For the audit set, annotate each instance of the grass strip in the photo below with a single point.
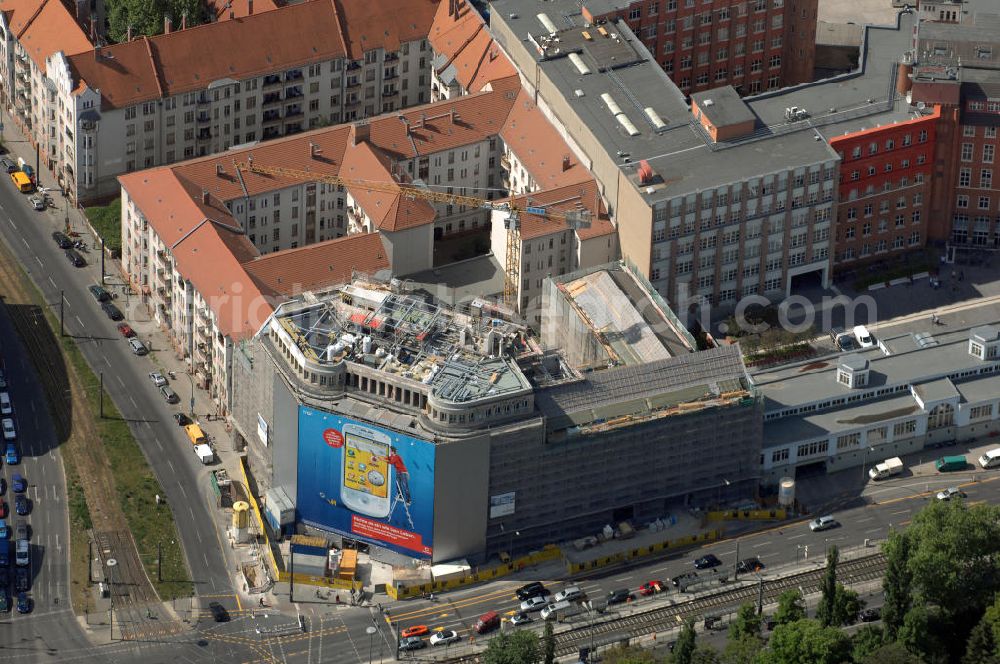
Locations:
(107, 221)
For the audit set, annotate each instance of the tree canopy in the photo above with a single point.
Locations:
(145, 17)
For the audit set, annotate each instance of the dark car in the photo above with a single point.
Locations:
(169, 395)
(22, 580)
(99, 293)
(686, 577)
(620, 596)
(182, 419)
(3, 486)
(870, 615)
(62, 240)
(705, 562)
(8, 165)
(75, 258)
(113, 312)
(18, 483)
(21, 530)
(533, 589)
(4, 600)
(21, 505)
(412, 643)
(219, 613)
(23, 603)
(4, 554)
(749, 565)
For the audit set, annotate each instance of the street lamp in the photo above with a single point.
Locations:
(191, 380)
(718, 495)
(111, 589)
(370, 630)
(864, 464)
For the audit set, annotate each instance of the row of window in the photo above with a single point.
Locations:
(723, 14)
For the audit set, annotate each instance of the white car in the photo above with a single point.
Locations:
(950, 493)
(157, 378)
(520, 619)
(823, 523)
(534, 604)
(445, 637)
(9, 432)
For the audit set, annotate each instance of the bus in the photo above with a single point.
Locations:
(22, 182)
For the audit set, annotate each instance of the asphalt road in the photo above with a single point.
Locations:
(184, 480)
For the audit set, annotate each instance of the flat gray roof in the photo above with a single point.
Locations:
(939, 389)
(815, 381)
(817, 425)
(680, 152)
(723, 106)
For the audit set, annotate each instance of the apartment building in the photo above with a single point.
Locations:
(202, 90)
(466, 58)
(753, 45)
(34, 35)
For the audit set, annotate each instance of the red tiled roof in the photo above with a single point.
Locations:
(388, 211)
(222, 10)
(539, 147)
(317, 266)
(583, 195)
(272, 41)
(467, 46)
(44, 27)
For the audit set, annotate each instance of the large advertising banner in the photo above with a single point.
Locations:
(365, 482)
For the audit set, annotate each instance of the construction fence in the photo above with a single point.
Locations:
(642, 551)
(748, 515)
(400, 591)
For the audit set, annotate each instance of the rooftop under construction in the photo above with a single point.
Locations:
(461, 356)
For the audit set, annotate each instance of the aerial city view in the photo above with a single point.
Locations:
(500, 332)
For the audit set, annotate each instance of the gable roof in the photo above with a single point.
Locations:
(578, 196)
(388, 211)
(244, 47)
(318, 266)
(223, 10)
(466, 47)
(44, 27)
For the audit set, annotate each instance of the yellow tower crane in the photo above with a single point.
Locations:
(512, 265)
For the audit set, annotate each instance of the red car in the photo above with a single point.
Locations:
(126, 330)
(651, 587)
(416, 630)
(3, 509)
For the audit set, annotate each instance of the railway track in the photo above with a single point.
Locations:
(849, 573)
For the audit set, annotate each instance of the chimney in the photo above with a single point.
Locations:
(219, 170)
(451, 115)
(184, 21)
(232, 14)
(204, 196)
(166, 25)
(314, 150)
(128, 33)
(362, 132)
(249, 7)
(566, 163)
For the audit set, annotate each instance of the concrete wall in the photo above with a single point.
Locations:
(410, 250)
(461, 497)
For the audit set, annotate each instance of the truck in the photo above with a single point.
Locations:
(205, 453)
(887, 468)
(195, 434)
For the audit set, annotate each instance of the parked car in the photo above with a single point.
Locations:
(533, 589)
(3, 486)
(4, 530)
(3, 380)
(520, 619)
(74, 257)
(707, 561)
(157, 378)
(950, 492)
(112, 312)
(99, 293)
(168, 394)
(534, 604)
(415, 630)
(182, 419)
(126, 330)
(6, 407)
(445, 637)
(823, 523)
(37, 202)
(18, 483)
(569, 594)
(21, 529)
(684, 578)
(620, 596)
(22, 505)
(412, 643)
(219, 613)
(870, 615)
(4, 600)
(749, 565)
(651, 587)
(9, 430)
(22, 579)
(137, 346)
(23, 603)
(62, 240)
(8, 165)
(3, 508)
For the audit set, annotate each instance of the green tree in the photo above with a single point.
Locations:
(866, 640)
(896, 584)
(627, 655)
(891, 653)
(512, 648)
(705, 654)
(746, 623)
(980, 647)
(806, 642)
(743, 650)
(145, 17)
(549, 643)
(826, 610)
(791, 607)
(921, 633)
(684, 648)
(846, 606)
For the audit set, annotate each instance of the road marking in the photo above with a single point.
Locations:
(25, 242)
(52, 282)
(873, 530)
(757, 546)
(39, 261)
(864, 520)
(624, 578)
(159, 446)
(11, 222)
(906, 511)
(134, 404)
(183, 492)
(174, 471)
(791, 537)
(79, 321)
(120, 381)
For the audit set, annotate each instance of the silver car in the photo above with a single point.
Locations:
(157, 378)
(169, 394)
(823, 523)
(137, 346)
(534, 604)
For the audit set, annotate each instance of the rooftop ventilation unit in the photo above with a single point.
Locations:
(616, 111)
(655, 118)
(547, 23)
(578, 62)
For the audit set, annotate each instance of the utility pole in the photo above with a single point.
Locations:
(102, 394)
(102, 261)
(62, 299)
(159, 562)
(38, 170)
(760, 595)
(291, 573)
(736, 564)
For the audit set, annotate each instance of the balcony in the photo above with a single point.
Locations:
(351, 102)
(271, 132)
(204, 135)
(271, 98)
(293, 111)
(388, 94)
(353, 82)
(390, 74)
(505, 161)
(272, 116)
(271, 80)
(203, 118)
(293, 75)
(293, 93)
(88, 125)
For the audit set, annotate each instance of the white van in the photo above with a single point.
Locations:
(990, 459)
(865, 339)
(551, 612)
(5, 407)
